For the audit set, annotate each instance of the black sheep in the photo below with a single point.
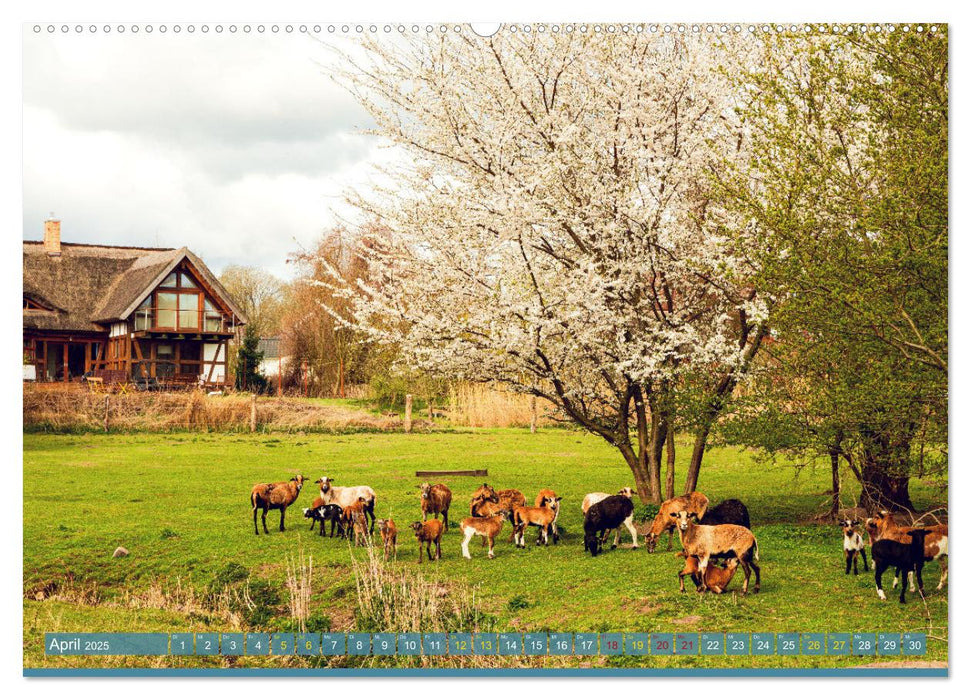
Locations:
(321, 514)
(605, 515)
(905, 557)
(730, 512)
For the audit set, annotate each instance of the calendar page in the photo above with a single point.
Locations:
(565, 349)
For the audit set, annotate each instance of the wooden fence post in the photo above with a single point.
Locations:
(532, 414)
(407, 413)
(252, 414)
(107, 398)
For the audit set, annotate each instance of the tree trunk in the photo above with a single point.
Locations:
(669, 481)
(884, 474)
(697, 454)
(648, 439)
(638, 467)
(834, 460)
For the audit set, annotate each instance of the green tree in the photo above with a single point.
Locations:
(248, 359)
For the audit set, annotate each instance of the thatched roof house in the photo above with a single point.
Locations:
(156, 314)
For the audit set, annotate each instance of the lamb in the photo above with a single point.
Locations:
(718, 541)
(853, 546)
(717, 578)
(355, 521)
(434, 500)
(596, 497)
(486, 502)
(730, 512)
(487, 528)
(389, 537)
(905, 557)
(664, 521)
(546, 497)
(543, 517)
(428, 533)
(608, 514)
(347, 495)
(323, 512)
(276, 496)
(883, 527)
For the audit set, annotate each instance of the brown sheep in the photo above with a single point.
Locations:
(389, 537)
(427, 533)
(664, 521)
(486, 502)
(355, 521)
(884, 527)
(434, 500)
(276, 496)
(543, 517)
(487, 528)
(717, 578)
(719, 541)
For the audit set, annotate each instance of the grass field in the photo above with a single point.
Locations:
(179, 503)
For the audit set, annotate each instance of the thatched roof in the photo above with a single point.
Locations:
(89, 286)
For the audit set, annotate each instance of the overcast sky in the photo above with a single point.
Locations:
(237, 146)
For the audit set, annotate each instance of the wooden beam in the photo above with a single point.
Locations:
(454, 472)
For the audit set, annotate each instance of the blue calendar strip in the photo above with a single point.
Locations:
(833, 644)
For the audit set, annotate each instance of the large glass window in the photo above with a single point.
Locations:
(167, 307)
(214, 318)
(143, 315)
(188, 310)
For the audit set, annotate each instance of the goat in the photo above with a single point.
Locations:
(730, 512)
(884, 527)
(717, 578)
(605, 515)
(276, 496)
(664, 521)
(487, 528)
(389, 537)
(486, 502)
(434, 500)
(347, 495)
(719, 541)
(906, 558)
(596, 497)
(853, 546)
(543, 517)
(427, 533)
(546, 497)
(322, 513)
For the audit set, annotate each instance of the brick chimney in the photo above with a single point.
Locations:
(52, 236)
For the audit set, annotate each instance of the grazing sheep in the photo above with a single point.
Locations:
(664, 521)
(608, 514)
(596, 497)
(354, 520)
(546, 497)
(853, 546)
(276, 496)
(427, 533)
(708, 541)
(389, 537)
(906, 558)
(487, 528)
(717, 578)
(323, 512)
(347, 495)
(883, 527)
(434, 500)
(730, 512)
(543, 517)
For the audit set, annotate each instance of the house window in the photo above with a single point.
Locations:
(214, 318)
(167, 308)
(143, 315)
(188, 310)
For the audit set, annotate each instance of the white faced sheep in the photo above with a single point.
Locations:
(275, 496)
(693, 502)
(608, 514)
(434, 500)
(719, 541)
(596, 497)
(345, 496)
(853, 546)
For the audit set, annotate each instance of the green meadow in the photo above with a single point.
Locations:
(179, 502)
